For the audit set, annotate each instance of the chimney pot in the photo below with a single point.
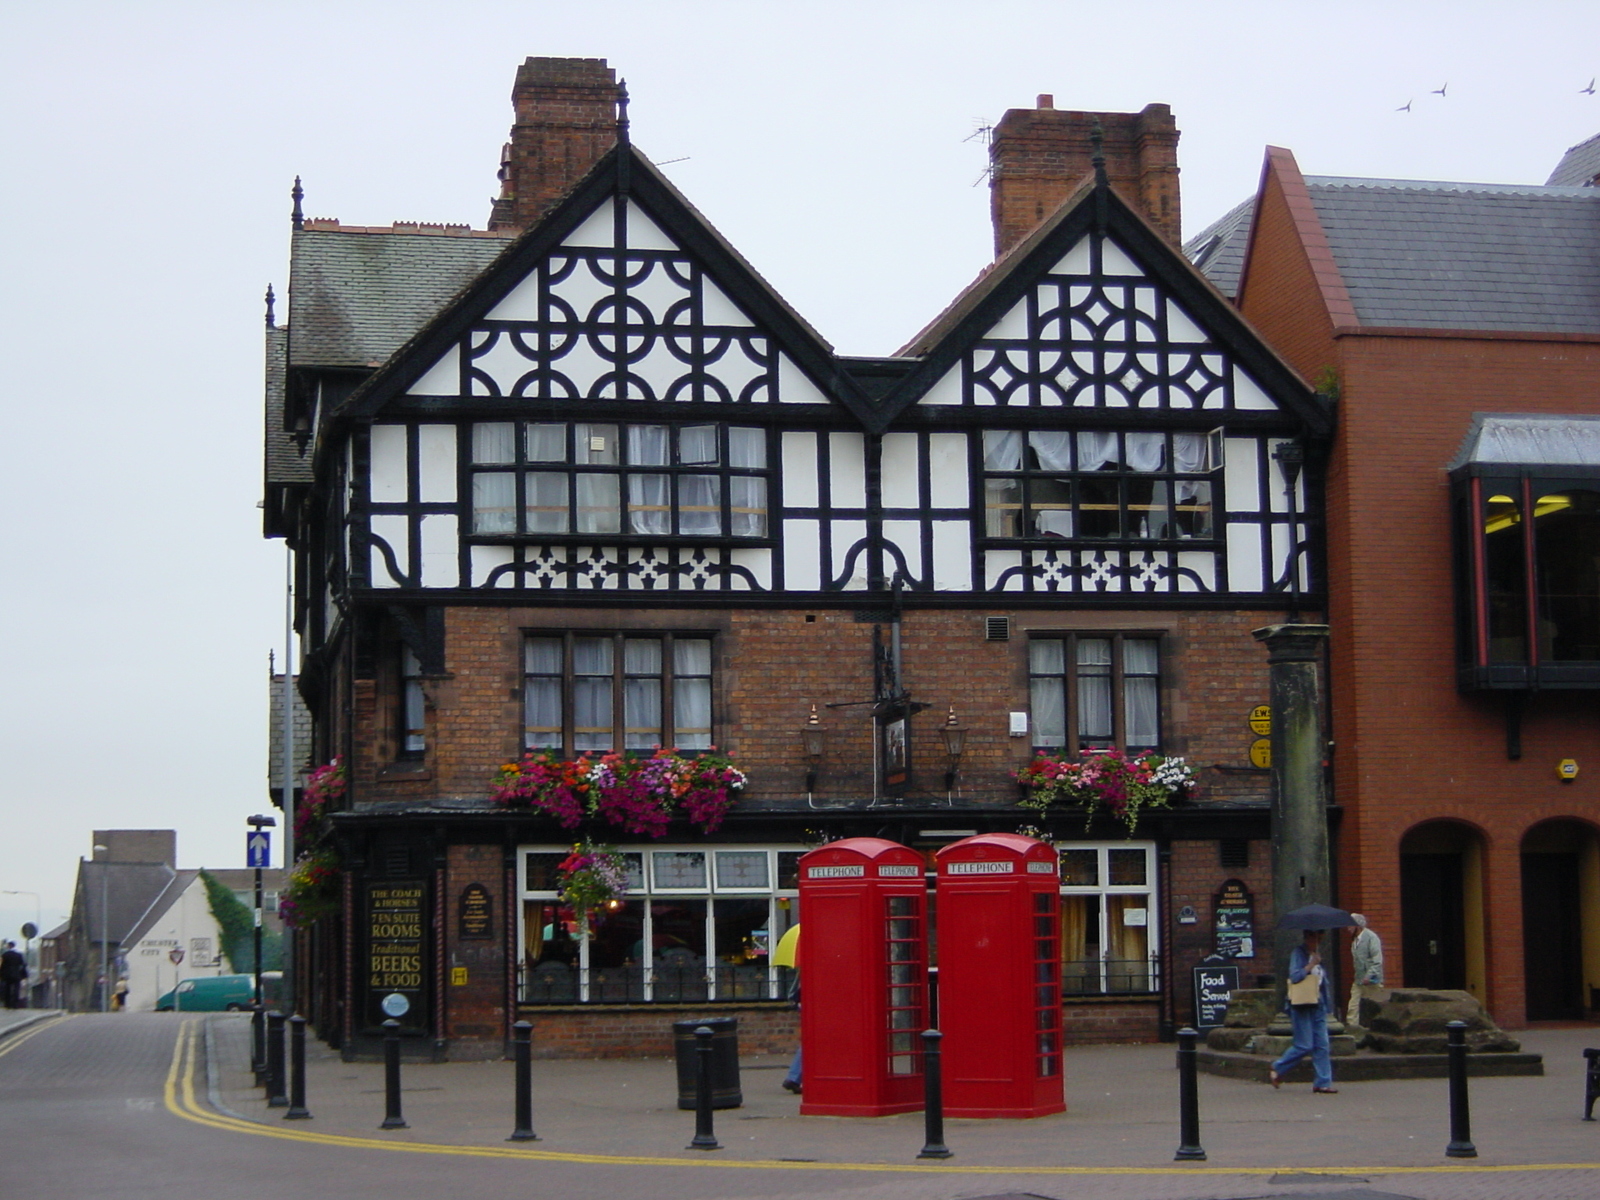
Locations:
(1046, 100)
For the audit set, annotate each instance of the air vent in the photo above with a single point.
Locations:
(397, 860)
(997, 629)
(1233, 854)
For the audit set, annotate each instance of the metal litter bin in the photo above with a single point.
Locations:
(725, 1092)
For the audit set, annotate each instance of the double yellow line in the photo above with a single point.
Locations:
(27, 1035)
(180, 1099)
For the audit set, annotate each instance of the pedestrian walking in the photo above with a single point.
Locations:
(1309, 1001)
(1366, 951)
(13, 970)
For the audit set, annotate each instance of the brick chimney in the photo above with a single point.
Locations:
(566, 120)
(1038, 156)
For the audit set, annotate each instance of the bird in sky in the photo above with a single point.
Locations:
(1406, 107)
(1588, 91)
(1439, 91)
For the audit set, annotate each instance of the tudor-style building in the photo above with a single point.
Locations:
(584, 483)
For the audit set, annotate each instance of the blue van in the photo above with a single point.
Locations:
(221, 993)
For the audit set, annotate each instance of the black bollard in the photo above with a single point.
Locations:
(1591, 1083)
(1189, 1147)
(932, 1098)
(391, 1076)
(1460, 1123)
(522, 1053)
(275, 1096)
(297, 1070)
(704, 1138)
(258, 1043)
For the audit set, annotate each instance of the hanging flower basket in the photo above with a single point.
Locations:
(1110, 780)
(316, 887)
(322, 794)
(638, 795)
(592, 877)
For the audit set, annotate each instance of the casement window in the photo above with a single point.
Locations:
(1090, 485)
(1108, 918)
(561, 478)
(1095, 692)
(413, 708)
(586, 692)
(698, 924)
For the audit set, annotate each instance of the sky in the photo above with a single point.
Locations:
(148, 153)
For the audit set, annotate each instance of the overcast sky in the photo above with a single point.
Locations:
(148, 152)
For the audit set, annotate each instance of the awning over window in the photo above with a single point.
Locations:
(1519, 440)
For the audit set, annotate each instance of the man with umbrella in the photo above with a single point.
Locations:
(1309, 998)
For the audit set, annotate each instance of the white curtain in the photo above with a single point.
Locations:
(1095, 450)
(747, 447)
(547, 443)
(1002, 450)
(641, 693)
(1145, 451)
(649, 446)
(1189, 455)
(494, 502)
(1054, 450)
(599, 499)
(591, 693)
(1047, 658)
(1140, 689)
(596, 444)
(545, 502)
(541, 660)
(1094, 689)
(494, 442)
(700, 505)
(691, 693)
(747, 499)
(697, 445)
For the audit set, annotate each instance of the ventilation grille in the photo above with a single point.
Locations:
(397, 861)
(1233, 853)
(997, 629)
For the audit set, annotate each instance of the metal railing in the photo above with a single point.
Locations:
(1111, 977)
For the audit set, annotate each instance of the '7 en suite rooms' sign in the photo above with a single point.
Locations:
(395, 954)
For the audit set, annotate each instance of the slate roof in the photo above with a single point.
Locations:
(1579, 166)
(285, 463)
(1218, 249)
(176, 886)
(129, 890)
(357, 294)
(1520, 439)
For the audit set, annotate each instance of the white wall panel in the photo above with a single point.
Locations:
(799, 455)
(1014, 324)
(947, 470)
(582, 367)
(484, 561)
(645, 234)
(802, 555)
(947, 390)
(794, 387)
(501, 363)
(436, 463)
(1244, 558)
(1248, 394)
(441, 379)
(952, 556)
(1076, 261)
(718, 309)
(439, 545)
(658, 291)
(1203, 564)
(597, 230)
(521, 303)
(735, 369)
(395, 530)
(388, 457)
(757, 561)
(906, 536)
(845, 535)
(900, 474)
(1241, 476)
(996, 563)
(1115, 261)
(1180, 327)
(847, 470)
(581, 290)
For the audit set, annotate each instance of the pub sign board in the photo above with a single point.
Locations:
(1212, 986)
(396, 953)
(1235, 921)
(475, 913)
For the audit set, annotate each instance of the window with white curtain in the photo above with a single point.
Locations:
(597, 692)
(1094, 691)
(1099, 484)
(413, 706)
(1108, 926)
(574, 478)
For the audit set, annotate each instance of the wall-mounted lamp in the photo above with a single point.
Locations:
(814, 738)
(955, 741)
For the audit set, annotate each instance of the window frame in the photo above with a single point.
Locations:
(413, 701)
(1073, 738)
(521, 467)
(1104, 889)
(668, 677)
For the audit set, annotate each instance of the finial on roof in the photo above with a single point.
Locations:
(622, 112)
(1097, 139)
(297, 218)
(271, 324)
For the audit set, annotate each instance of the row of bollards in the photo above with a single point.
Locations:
(285, 1084)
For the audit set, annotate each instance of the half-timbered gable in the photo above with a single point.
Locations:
(1122, 427)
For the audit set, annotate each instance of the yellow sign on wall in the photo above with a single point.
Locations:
(1261, 753)
(458, 976)
(1261, 720)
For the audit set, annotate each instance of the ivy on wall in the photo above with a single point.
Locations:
(236, 920)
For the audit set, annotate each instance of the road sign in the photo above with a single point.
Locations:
(176, 955)
(258, 849)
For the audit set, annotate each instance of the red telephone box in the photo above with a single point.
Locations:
(1000, 977)
(863, 978)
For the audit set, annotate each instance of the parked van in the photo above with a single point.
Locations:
(221, 993)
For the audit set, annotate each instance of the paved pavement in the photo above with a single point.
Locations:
(14, 1020)
(166, 1103)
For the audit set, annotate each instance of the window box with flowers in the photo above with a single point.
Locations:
(1121, 785)
(639, 795)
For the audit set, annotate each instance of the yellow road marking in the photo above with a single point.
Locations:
(12, 1043)
(180, 1081)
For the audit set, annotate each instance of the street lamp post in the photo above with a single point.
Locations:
(257, 824)
(105, 929)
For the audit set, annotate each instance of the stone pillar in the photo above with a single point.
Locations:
(1300, 871)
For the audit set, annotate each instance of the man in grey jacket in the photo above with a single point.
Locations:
(1366, 949)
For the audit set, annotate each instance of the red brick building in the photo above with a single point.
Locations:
(582, 484)
(1457, 327)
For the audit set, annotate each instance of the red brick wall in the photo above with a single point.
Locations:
(1195, 876)
(1095, 1022)
(645, 1031)
(476, 1010)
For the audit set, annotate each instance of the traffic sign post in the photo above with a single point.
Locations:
(258, 850)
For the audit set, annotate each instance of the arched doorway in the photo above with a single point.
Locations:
(1441, 907)
(1560, 918)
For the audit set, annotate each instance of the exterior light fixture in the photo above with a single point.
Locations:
(955, 741)
(814, 738)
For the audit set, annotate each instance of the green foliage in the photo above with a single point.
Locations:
(237, 922)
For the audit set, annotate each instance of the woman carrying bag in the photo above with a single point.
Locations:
(1309, 1002)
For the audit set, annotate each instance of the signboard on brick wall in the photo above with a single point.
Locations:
(396, 962)
(475, 913)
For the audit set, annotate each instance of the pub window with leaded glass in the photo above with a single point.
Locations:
(586, 693)
(1095, 692)
(1099, 485)
(573, 478)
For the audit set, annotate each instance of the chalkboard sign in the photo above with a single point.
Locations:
(1211, 988)
(1235, 921)
(475, 916)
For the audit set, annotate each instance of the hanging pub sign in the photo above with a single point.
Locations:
(396, 953)
(1235, 921)
(1212, 986)
(475, 913)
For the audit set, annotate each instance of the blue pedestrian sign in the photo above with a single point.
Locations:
(258, 849)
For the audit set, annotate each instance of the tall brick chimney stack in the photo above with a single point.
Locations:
(1038, 156)
(566, 120)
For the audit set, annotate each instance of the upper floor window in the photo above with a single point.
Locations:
(1090, 484)
(587, 693)
(1095, 692)
(568, 477)
(413, 706)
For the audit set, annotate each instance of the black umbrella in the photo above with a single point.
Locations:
(1315, 916)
